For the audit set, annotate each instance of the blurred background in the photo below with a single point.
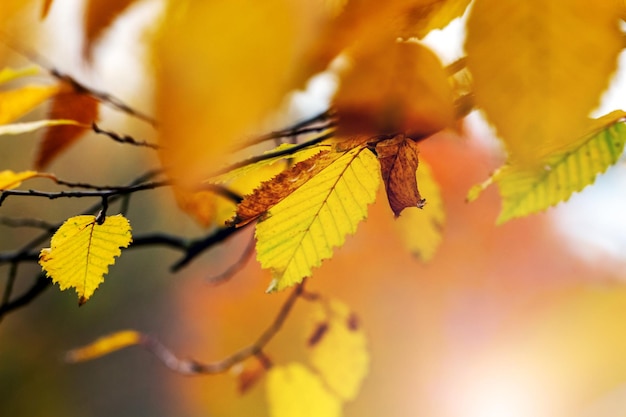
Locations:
(523, 319)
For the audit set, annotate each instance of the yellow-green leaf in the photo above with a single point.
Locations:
(26, 127)
(421, 229)
(82, 250)
(104, 345)
(16, 103)
(9, 74)
(10, 179)
(294, 390)
(338, 348)
(539, 68)
(302, 229)
(525, 191)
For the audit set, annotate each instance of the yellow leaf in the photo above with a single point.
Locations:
(104, 345)
(412, 93)
(425, 17)
(10, 74)
(294, 390)
(338, 349)
(421, 229)
(301, 230)
(69, 104)
(26, 127)
(222, 69)
(525, 191)
(10, 179)
(16, 103)
(99, 15)
(82, 250)
(539, 68)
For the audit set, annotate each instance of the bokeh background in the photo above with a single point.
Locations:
(523, 319)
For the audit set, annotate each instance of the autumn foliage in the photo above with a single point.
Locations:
(229, 141)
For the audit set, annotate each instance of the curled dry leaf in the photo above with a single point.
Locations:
(398, 158)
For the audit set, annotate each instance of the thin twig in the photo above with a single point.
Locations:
(27, 222)
(198, 247)
(193, 367)
(235, 267)
(123, 139)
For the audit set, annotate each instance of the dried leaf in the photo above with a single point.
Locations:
(80, 107)
(293, 390)
(277, 189)
(412, 93)
(302, 229)
(16, 103)
(536, 74)
(99, 15)
(104, 345)
(10, 179)
(249, 375)
(421, 230)
(398, 158)
(340, 357)
(81, 251)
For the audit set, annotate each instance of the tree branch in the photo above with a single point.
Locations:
(193, 367)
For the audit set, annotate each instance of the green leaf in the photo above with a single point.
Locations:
(81, 251)
(297, 233)
(527, 191)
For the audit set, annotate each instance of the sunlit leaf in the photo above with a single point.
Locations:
(16, 103)
(10, 179)
(77, 106)
(99, 15)
(537, 74)
(104, 345)
(82, 250)
(398, 159)
(10, 74)
(421, 230)
(294, 390)
(526, 191)
(300, 231)
(339, 354)
(412, 93)
(26, 127)
(222, 69)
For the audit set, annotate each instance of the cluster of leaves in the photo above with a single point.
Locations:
(307, 194)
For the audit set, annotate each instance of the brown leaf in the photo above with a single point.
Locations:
(398, 158)
(249, 376)
(273, 191)
(67, 105)
(99, 15)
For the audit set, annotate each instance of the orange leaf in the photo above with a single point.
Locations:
(99, 15)
(45, 8)
(67, 105)
(394, 87)
(398, 163)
